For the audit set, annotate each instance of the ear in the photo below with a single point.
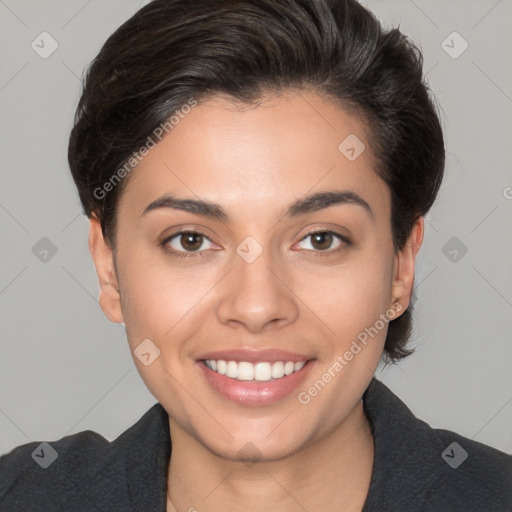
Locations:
(102, 254)
(404, 266)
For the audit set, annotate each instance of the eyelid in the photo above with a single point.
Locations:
(184, 231)
(344, 239)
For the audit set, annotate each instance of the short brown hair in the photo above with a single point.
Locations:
(174, 50)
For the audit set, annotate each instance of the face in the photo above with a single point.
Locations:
(254, 254)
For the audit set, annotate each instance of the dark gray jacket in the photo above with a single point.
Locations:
(416, 469)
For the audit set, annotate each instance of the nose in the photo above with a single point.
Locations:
(257, 296)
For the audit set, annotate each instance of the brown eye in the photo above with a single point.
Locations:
(322, 241)
(186, 242)
(191, 241)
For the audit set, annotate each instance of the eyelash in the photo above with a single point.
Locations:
(346, 242)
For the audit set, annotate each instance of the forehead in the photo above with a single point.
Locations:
(263, 155)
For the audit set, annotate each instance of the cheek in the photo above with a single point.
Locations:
(162, 305)
(157, 298)
(351, 297)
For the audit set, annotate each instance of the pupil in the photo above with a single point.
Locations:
(324, 240)
(191, 237)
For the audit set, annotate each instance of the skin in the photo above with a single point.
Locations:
(297, 296)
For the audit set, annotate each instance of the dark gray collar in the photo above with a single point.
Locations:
(401, 460)
(409, 472)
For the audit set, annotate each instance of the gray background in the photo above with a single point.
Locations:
(65, 368)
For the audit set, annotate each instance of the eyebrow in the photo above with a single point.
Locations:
(311, 203)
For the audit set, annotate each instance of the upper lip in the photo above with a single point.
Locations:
(269, 355)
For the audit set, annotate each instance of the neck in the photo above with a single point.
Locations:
(332, 473)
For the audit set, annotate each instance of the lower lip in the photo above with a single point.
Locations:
(255, 393)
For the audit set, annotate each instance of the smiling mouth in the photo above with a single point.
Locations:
(259, 372)
(255, 377)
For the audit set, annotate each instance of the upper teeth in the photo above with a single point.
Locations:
(248, 371)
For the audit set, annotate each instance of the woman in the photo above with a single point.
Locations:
(256, 175)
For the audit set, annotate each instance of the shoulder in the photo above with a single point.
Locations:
(80, 471)
(472, 474)
(39, 472)
(430, 469)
